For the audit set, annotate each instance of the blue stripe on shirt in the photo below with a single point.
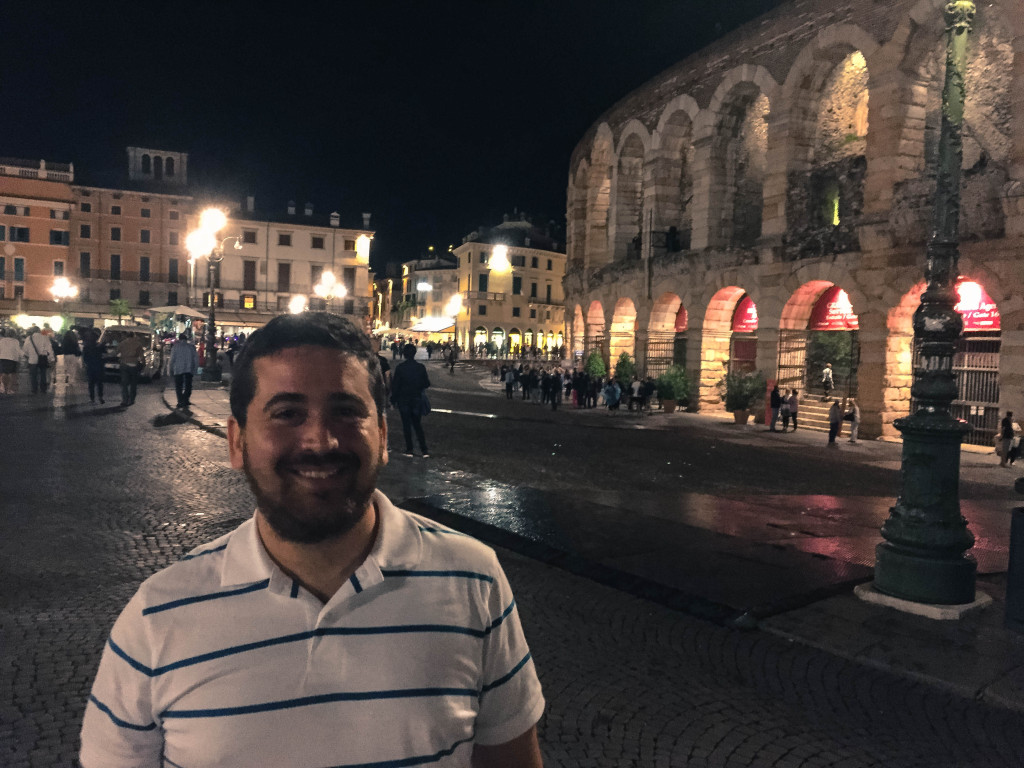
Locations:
(442, 574)
(221, 548)
(505, 678)
(408, 761)
(118, 721)
(427, 529)
(202, 598)
(497, 622)
(325, 698)
(355, 584)
(399, 629)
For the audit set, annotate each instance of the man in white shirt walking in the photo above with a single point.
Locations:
(38, 351)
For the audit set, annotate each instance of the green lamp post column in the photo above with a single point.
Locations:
(923, 558)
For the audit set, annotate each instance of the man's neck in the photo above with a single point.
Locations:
(322, 567)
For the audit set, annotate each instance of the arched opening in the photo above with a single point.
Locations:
(147, 165)
(158, 168)
(622, 337)
(499, 341)
(578, 332)
(674, 212)
(169, 166)
(528, 338)
(480, 340)
(819, 326)
(595, 336)
(716, 341)
(975, 364)
(743, 344)
(599, 188)
(629, 199)
(578, 217)
(738, 162)
(515, 342)
(666, 336)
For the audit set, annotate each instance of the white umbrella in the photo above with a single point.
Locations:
(179, 309)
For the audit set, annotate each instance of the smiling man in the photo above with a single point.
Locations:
(332, 628)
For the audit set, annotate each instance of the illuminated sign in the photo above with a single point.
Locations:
(744, 318)
(977, 308)
(833, 312)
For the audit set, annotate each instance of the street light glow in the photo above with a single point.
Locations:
(499, 260)
(297, 304)
(424, 287)
(62, 289)
(454, 306)
(200, 242)
(212, 220)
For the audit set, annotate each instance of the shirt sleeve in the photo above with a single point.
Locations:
(119, 729)
(511, 701)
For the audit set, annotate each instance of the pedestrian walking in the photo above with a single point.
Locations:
(408, 384)
(1006, 435)
(510, 382)
(835, 421)
(38, 352)
(852, 415)
(453, 356)
(184, 365)
(775, 401)
(298, 661)
(69, 349)
(557, 382)
(794, 406)
(827, 382)
(10, 354)
(130, 355)
(784, 412)
(92, 359)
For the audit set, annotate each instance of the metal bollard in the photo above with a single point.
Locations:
(1015, 572)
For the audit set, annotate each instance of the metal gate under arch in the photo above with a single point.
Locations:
(800, 369)
(792, 359)
(664, 348)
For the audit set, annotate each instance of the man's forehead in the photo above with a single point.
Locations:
(322, 367)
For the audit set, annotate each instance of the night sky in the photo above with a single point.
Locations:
(435, 117)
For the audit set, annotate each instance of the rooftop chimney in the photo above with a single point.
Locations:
(335, 219)
(309, 209)
(291, 207)
(366, 221)
(250, 203)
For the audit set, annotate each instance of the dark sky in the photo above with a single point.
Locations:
(437, 117)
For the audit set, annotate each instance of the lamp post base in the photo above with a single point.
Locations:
(911, 576)
(212, 373)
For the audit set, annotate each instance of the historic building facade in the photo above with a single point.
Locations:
(765, 204)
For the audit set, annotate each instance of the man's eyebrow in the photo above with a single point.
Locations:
(284, 397)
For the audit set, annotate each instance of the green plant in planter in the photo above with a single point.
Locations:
(625, 370)
(673, 384)
(595, 365)
(741, 390)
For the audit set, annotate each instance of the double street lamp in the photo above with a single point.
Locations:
(63, 290)
(329, 289)
(453, 309)
(203, 242)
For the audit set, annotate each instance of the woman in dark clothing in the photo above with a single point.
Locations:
(92, 358)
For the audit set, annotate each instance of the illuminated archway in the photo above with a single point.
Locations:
(577, 332)
(595, 335)
(480, 339)
(499, 340)
(818, 325)
(666, 336)
(515, 341)
(717, 341)
(623, 330)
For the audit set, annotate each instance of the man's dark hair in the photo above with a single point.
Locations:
(318, 329)
(409, 351)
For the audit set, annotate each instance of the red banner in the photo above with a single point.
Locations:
(682, 320)
(977, 308)
(744, 318)
(833, 312)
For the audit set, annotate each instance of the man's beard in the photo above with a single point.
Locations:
(337, 516)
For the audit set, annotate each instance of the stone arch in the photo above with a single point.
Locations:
(595, 339)
(667, 331)
(622, 334)
(629, 196)
(158, 167)
(673, 171)
(738, 156)
(577, 208)
(147, 164)
(599, 189)
(716, 334)
(578, 331)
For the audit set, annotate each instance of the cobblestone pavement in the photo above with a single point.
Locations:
(94, 499)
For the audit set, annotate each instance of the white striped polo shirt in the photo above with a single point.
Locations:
(224, 660)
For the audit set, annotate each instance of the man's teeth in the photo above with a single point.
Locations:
(317, 474)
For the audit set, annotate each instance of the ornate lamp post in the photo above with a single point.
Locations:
(923, 558)
(200, 243)
(329, 288)
(453, 309)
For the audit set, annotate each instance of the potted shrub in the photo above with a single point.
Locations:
(673, 387)
(741, 391)
(625, 370)
(595, 365)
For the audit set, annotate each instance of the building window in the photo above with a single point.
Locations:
(169, 166)
(143, 235)
(350, 245)
(173, 215)
(547, 296)
(515, 311)
(59, 237)
(533, 314)
(3, 268)
(349, 307)
(348, 279)
(533, 290)
(143, 298)
(482, 283)
(533, 262)
(549, 265)
(482, 309)
(115, 233)
(84, 264)
(3, 291)
(172, 272)
(19, 291)
(284, 278)
(145, 213)
(218, 297)
(249, 275)
(517, 286)
(58, 269)
(483, 257)
(115, 210)
(10, 210)
(282, 303)
(58, 214)
(86, 207)
(144, 269)
(548, 315)
(172, 238)
(517, 261)
(317, 242)
(115, 266)
(248, 235)
(3, 233)
(317, 304)
(284, 238)
(316, 271)
(172, 297)
(248, 302)
(115, 293)
(18, 234)
(85, 231)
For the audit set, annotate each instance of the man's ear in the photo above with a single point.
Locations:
(235, 443)
(383, 426)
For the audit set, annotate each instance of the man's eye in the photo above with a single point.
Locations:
(285, 414)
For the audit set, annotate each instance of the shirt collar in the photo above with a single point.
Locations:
(398, 546)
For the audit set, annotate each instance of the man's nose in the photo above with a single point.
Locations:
(317, 434)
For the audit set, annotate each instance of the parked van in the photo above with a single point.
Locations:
(113, 335)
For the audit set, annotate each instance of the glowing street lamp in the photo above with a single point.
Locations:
(203, 242)
(62, 290)
(297, 305)
(329, 288)
(499, 260)
(453, 309)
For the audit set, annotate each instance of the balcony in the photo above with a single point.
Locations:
(484, 296)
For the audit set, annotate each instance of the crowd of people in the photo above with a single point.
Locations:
(552, 385)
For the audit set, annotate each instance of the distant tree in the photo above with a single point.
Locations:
(594, 366)
(120, 307)
(625, 370)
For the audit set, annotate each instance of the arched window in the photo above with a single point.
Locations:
(169, 166)
(158, 168)
(147, 165)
